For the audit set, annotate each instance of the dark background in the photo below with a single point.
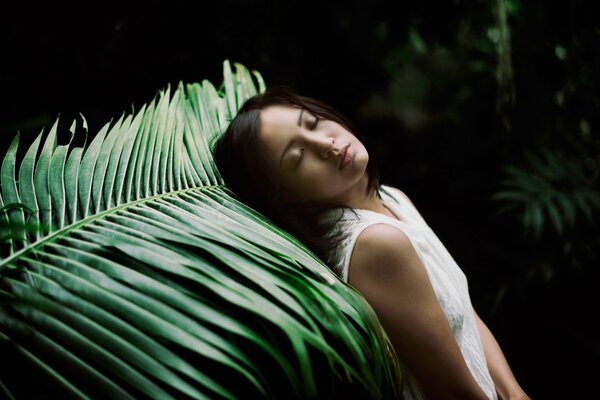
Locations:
(446, 94)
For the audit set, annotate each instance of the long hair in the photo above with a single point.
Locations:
(240, 158)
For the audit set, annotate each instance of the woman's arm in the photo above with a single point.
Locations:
(386, 269)
(504, 380)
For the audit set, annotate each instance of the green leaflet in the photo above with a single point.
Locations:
(10, 193)
(141, 274)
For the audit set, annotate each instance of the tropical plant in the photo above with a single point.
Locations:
(557, 206)
(550, 190)
(130, 271)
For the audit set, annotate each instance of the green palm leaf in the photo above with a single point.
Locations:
(140, 275)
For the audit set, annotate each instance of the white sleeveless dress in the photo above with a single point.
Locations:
(447, 279)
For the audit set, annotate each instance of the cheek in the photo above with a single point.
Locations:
(309, 182)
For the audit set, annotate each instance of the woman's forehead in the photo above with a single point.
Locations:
(280, 114)
(279, 120)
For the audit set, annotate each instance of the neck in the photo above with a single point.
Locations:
(358, 197)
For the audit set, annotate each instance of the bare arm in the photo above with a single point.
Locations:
(386, 269)
(504, 380)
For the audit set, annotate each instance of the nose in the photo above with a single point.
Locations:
(327, 148)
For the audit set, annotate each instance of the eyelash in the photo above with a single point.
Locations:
(314, 125)
(300, 156)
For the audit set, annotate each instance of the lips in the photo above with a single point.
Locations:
(345, 157)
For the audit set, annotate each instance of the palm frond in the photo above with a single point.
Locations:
(549, 191)
(142, 276)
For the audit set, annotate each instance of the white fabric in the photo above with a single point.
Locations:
(447, 279)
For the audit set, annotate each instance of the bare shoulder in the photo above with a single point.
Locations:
(382, 237)
(380, 250)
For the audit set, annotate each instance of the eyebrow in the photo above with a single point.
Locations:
(291, 142)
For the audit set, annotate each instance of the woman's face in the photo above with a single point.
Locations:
(313, 159)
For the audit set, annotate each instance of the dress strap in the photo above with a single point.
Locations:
(402, 207)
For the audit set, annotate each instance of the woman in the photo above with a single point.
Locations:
(297, 160)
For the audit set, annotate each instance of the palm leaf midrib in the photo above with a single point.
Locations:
(90, 219)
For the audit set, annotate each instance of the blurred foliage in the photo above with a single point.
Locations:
(550, 189)
(551, 178)
(538, 163)
(432, 77)
(557, 203)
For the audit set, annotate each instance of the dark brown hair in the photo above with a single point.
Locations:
(240, 159)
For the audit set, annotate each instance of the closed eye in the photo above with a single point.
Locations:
(314, 125)
(299, 157)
